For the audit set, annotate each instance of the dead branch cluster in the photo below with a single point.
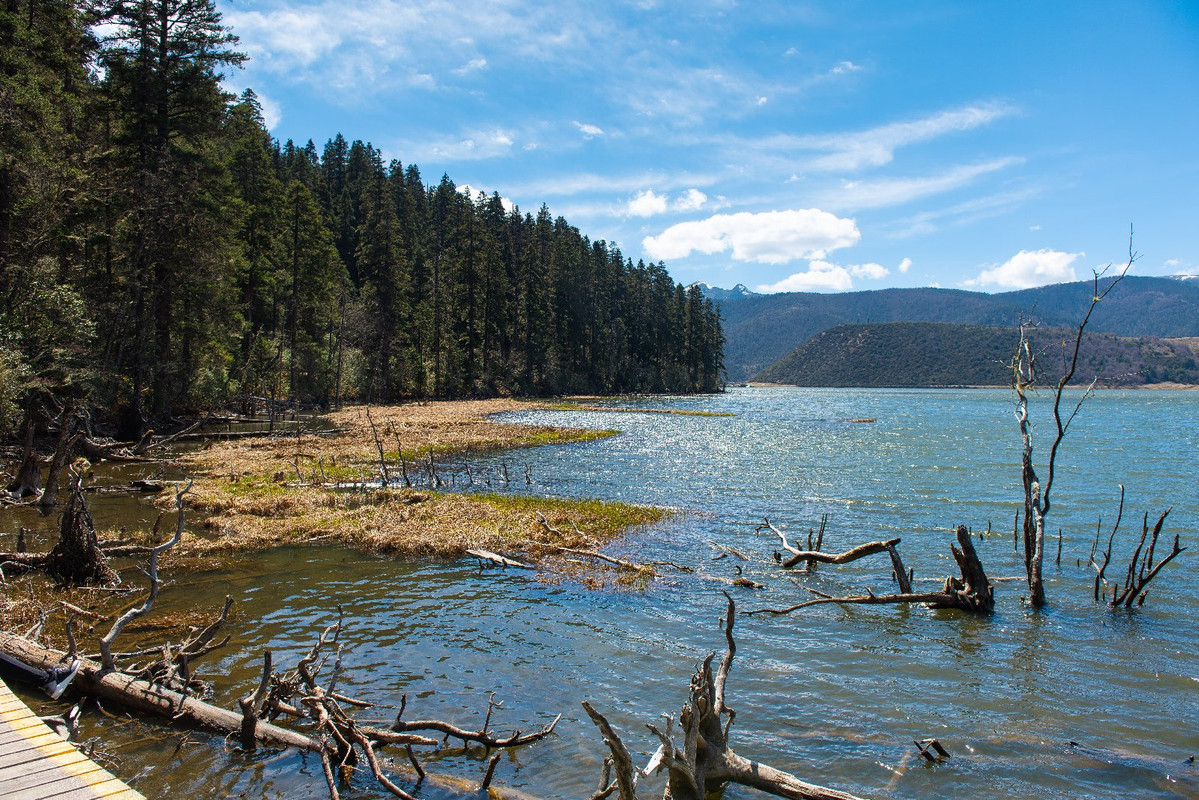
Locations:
(971, 591)
(1141, 566)
(696, 756)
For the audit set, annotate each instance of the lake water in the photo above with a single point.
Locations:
(1077, 700)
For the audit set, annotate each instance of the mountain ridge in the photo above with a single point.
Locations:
(948, 354)
(760, 329)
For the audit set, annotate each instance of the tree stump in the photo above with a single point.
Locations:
(77, 559)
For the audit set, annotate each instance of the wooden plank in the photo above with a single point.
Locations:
(48, 782)
(35, 762)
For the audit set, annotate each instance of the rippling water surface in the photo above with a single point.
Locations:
(1075, 701)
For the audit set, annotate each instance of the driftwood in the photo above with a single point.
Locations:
(1141, 568)
(705, 764)
(495, 558)
(971, 592)
(116, 452)
(334, 735)
(813, 555)
(853, 554)
(482, 736)
(620, 563)
(139, 695)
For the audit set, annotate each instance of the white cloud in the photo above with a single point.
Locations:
(373, 46)
(844, 68)
(272, 112)
(474, 65)
(647, 204)
(468, 146)
(1029, 268)
(690, 200)
(589, 131)
(819, 276)
(770, 237)
(1034, 228)
(853, 195)
(872, 271)
(473, 192)
(965, 213)
(850, 152)
(905, 265)
(762, 101)
(286, 36)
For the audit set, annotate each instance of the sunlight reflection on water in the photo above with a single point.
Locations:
(836, 695)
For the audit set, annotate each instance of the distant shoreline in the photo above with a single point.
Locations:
(1155, 387)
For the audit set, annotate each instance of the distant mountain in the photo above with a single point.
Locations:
(761, 329)
(944, 354)
(718, 295)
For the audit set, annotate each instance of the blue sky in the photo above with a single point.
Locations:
(816, 146)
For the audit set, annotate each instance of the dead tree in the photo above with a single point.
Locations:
(704, 764)
(971, 592)
(1141, 567)
(63, 446)
(28, 480)
(77, 559)
(1025, 374)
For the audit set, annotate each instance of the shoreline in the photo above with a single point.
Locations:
(1146, 387)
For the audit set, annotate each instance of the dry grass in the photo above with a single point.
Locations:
(447, 427)
(249, 494)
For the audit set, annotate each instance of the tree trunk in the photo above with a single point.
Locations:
(143, 696)
(62, 453)
(28, 480)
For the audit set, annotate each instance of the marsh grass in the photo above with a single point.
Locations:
(254, 494)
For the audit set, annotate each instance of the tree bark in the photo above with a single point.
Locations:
(28, 480)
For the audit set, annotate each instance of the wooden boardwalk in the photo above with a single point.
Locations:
(36, 763)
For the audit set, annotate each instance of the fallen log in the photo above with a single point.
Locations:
(110, 451)
(146, 697)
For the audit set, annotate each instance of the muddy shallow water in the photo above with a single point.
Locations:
(1075, 701)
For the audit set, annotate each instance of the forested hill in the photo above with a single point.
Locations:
(160, 252)
(761, 329)
(943, 354)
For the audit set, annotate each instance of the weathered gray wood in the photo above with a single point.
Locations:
(853, 554)
(497, 559)
(37, 763)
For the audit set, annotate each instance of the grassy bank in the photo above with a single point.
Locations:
(266, 492)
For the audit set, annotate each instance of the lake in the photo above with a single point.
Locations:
(1076, 700)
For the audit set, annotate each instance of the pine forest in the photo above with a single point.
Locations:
(161, 253)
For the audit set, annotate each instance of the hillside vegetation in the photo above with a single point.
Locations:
(943, 354)
(760, 329)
